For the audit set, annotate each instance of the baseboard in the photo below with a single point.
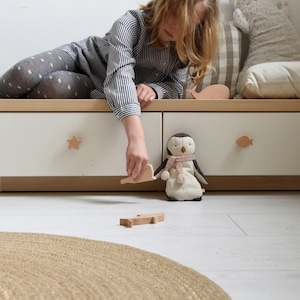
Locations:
(216, 183)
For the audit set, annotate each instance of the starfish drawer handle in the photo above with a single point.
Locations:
(74, 142)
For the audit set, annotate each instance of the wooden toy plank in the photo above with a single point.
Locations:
(143, 219)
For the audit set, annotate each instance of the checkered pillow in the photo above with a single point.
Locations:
(226, 64)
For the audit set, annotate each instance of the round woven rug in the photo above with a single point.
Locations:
(41, 266)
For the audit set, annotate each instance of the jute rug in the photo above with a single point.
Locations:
(40, 266)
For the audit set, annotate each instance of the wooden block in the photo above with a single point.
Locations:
(143, 219)
(147, 176)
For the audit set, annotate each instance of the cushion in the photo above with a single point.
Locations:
(283, 5)
(272, 37)
(225, 9)
(272, 80)
(226, 62)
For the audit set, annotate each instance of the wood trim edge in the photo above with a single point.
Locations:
(159, 105)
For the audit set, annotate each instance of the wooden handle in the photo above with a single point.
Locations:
(244, 141)
(74, 142)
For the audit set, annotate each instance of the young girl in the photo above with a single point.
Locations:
(143, 57)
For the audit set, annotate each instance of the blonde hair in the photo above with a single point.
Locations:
(195, 41)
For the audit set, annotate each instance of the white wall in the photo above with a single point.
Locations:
(29, 27)
(32, 26)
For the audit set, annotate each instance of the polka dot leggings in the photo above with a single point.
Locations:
(51, 74)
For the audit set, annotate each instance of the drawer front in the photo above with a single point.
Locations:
(35, 144)
(275, 149)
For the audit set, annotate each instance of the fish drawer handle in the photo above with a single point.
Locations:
(244, 141)
(74, 142)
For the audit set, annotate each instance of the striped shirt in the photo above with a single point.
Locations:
(123, 58)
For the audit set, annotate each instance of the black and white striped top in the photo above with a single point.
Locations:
(124, 58)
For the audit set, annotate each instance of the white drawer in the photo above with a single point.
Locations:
(275, 149)
(35, 144)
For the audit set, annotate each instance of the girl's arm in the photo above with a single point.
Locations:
(171, 87)
(119, 84)
(136, 153)
(121, 93)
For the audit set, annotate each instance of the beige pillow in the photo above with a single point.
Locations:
(272, 38)
(272, 80)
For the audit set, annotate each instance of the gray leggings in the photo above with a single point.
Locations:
(52, 74)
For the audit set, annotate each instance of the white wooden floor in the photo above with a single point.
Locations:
(248, 243)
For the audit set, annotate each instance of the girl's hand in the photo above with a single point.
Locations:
(136, 153)
(137, 158)
(145, 94)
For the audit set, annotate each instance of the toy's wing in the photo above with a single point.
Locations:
(162, 166)
(199, 174)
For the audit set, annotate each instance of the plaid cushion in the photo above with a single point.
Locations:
(226, 64)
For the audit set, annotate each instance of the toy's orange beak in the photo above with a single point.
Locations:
(183, 149)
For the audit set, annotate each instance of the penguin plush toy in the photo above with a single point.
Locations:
(180, 170)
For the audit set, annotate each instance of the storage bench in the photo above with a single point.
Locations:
(35, 154)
